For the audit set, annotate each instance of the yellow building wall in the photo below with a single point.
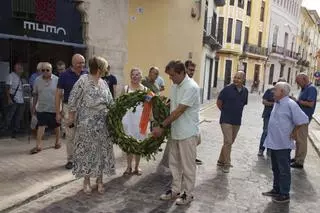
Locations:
(160, 31)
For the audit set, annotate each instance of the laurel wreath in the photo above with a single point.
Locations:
(150, 146)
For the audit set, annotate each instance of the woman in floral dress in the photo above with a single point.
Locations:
(93, 150)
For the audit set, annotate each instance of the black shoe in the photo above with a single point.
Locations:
(198, 162)
(272, 193)
(296, 166)
(292, 160)
(69, 165)
(281, 199)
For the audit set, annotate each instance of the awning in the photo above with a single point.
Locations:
(26, 38)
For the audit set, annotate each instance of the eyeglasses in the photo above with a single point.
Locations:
(45, 70)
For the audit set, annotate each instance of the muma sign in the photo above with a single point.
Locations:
(29, 25)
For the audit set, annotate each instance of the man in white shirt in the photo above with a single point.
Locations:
(14, 95)
(184, 121)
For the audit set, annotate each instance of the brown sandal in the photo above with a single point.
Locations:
(127, 172)
(137, 172)
(57, 146)
(35, 150)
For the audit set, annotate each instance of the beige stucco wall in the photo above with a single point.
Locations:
(105, 31)
(160, 31)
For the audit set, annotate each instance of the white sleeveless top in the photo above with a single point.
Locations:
(131, 120)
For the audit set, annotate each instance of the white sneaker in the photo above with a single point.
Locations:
(184, 199)
(169, 195)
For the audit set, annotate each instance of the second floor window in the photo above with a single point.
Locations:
(275, 36)
(237, 38)
(263, 4)
(229, 33)
(241, 3)
(220, 30)
(249, 8)
(231, 2)
(24, 9)
(260, 39)
(246, 35)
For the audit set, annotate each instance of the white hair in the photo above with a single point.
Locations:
(39, 66)
(285, 87)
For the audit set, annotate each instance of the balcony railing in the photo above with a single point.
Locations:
(284, 52)
(210, 35)
(251, 48)
(277, 49)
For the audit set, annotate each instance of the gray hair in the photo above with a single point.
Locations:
(285, 87)
(303, 76)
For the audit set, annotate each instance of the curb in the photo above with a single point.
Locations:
(313, 140)
(36, 196)
(316, 119)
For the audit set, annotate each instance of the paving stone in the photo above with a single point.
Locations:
(236, 192)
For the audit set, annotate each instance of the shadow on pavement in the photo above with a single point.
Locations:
(277, 208)
(302, 187)
(120, 197)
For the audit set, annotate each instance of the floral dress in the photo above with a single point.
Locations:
(93, 148)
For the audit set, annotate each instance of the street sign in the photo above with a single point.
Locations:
(317, 75)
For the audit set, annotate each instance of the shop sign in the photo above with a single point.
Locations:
(28, 25)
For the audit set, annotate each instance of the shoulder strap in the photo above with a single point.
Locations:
(126, 88)
(16, 90)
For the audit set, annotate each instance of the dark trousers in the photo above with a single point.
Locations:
(15, 113)
(280, 160)
(264, 133)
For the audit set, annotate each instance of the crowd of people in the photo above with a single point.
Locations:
(74, 101)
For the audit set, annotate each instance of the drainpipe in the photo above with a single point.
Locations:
(199, 5)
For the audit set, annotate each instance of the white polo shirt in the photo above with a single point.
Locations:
(186, 93)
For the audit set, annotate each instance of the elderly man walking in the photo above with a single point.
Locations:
(43, 106)
(285, 122)
(307, 101)
(184, 121)
(65, 84)
(231, 102)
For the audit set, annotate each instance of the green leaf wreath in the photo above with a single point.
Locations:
(146, 148)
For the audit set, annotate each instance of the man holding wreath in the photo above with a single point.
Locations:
(184, 121)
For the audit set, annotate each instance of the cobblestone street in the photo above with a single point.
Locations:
(236, 192)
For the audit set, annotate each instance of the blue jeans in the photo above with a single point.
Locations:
(264, 133)
(280, 160)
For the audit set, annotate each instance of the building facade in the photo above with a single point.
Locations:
(243, 31)
(308, 42)
(160, 31)
(284, 26)
(208, 68)
(51, 30)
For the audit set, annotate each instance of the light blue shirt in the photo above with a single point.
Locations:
(285, 115)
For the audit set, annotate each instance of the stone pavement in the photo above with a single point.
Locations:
(238, 191)
(23, 176)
